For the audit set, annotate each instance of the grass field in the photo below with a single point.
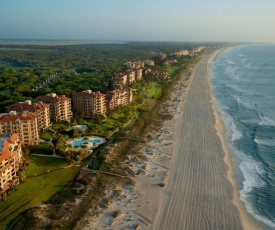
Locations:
(36, 189)
(38, 165)
(172, 69)
(154, 90)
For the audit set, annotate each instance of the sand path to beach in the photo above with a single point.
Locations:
(199, 194)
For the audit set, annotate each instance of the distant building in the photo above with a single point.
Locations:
(137, 64)
(170, 61)
(198, 49)
(88, 103)
(156, 75)
(149, 62)
(10, 160)
(42, 111)
(25, 125)
(60, 106)
(181, 53)
(161, 56)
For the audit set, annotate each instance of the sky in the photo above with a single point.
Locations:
(139, 20)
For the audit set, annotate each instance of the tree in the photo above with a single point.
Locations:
(22, 176)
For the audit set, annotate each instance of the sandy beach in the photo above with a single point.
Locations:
(184, 178)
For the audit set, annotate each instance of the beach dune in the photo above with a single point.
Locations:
(199, 194)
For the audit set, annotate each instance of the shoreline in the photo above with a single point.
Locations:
(247, 223)
(144, 205)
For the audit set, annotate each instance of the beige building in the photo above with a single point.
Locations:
(25, 125)
(182, 53)
(156, 75)
(90, 104)
(149, 62)
(161, 56)
(42, 111)
(131, 76)
(118, 98)
(138, 74)
(60, 106)
(10, 161)
(137, 64)
(119, 79)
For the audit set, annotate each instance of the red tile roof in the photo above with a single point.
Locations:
(86, 94)
(25, 106)
(47, 98)
(23, 117)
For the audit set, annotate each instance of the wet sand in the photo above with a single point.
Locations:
(199, 194)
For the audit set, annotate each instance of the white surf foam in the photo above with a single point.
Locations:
(266, 121)
(266, 142)
(252, 171)
(236, 134)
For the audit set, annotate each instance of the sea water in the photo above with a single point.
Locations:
(243, 79)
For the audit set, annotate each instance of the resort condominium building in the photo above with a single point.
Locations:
(60, 106)
(25, 125)
(88, 103)
(119, 79)
(131, 76)
(138, 74)
(119, 98)
(10, 161)
(41, 109)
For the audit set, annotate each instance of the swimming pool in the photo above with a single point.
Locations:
(80, 127)
(91, 140)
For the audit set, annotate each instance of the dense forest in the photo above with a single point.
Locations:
(79, 67)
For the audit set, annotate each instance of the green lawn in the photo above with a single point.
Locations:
(172, 69)
(121, 115)
(38, 164)
(36, 189)
(46, 136)
(154, 90)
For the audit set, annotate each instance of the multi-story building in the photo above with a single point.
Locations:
(131, 76)
(119, 98)
(198, 49)
(137, 64)
(156, 75)
(25, 125)
(10, 161)
(181, 53)
(149, 62)
(161, 56)
(138, 74)
(60, 106)
(170, 61)
(40, 109)
(119, 79)
(88, 103)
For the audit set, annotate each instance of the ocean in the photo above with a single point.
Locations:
(243, 79)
